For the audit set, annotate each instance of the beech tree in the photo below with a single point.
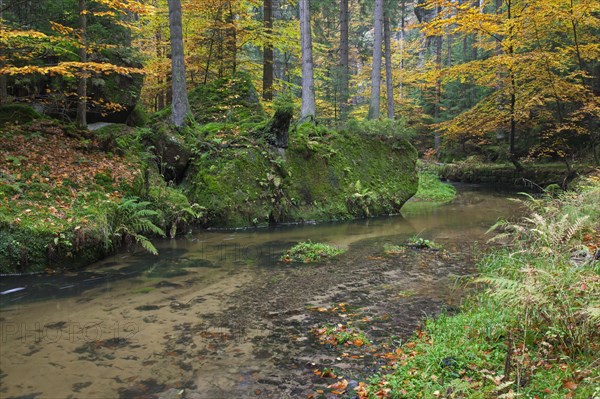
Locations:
(308, 109)
(344, 58)
(81, 117)
(374, 105)
(268, 51)
(180, 104)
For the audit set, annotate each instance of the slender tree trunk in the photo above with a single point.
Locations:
(513, 94)
(401, 38)
(179, 91)
(576, 40)
(344, 51)
(388, 67)
(231, 40)
(81, 117)
(374, 106)
(268, 57)
(438, 85)
(308, 110)
(3, 90)
(3, 78)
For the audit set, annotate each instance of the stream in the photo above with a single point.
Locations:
(217, 315)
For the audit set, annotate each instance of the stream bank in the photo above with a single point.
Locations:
(69, 197)
(218, 316)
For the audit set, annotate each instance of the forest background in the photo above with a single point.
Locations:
(499, 79)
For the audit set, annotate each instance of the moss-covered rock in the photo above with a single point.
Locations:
(17, 113)
(231, 99)
(323, 175)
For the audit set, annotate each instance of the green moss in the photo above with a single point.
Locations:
(323, 175)
(432, 189)
(17, 113)
(231, 99)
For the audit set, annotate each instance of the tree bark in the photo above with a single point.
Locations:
(438, 85)
(180, 104)
(374, 106)
(231, 38)
(267, 92)
(344, 51)
(388, 68)
(308, 110)
(401, 39)
(3, 78)
(81, 117)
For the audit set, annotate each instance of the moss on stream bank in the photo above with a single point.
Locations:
(323, 175)
(70, 197)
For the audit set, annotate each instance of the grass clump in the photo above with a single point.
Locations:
(534, 332)
(431, 189)
(308, 252)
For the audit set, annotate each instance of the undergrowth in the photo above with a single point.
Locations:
(68, 197)
(534, 332)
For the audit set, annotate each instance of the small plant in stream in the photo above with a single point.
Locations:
(391, 249)
(307, 252)
(341, 334)
(422, 243)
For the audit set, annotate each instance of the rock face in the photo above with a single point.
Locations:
(319, 177)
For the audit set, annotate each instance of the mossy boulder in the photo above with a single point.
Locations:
(17, 113)
(230, 99)
(323, 175)
(172, 153)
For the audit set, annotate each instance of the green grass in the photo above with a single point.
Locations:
(432, 189)
(308, 252)
(533, 333)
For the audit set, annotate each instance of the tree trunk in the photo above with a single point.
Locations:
(308, 80)
(81, 117)
(374, 106)
(3, 90)
(267, 92)
(3, 78)
(180, 104)
(438, 85)
(388, 67)
(401, 39)
(231, 39)
(344, 51)
(513, 95)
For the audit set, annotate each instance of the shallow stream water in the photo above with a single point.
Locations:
(217, 315)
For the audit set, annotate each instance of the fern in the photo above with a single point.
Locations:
(132, 220)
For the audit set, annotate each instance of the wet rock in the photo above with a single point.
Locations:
(179, 305)
(80, 385)
(172, 393)
(167, 284)
(150, 319)
(145, 308)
